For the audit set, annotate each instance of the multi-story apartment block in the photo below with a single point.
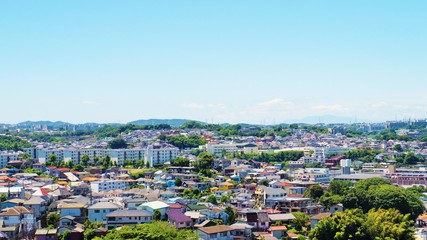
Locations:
(6, 157)
(159, 154)
(108, 185)
(75, 155)
(220, 148)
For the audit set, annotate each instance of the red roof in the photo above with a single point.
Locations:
(284, 184)
(176, 206)
(278, 228)
(63, 169)
(270, 210)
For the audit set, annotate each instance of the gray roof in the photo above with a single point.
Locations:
(281, 217)
(130, 213)
(104, 205)
(34, 200)
(358, 176)
(271, 191)
(135, 200)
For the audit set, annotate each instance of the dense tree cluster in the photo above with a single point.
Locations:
(356, 225)
(151, 231)
(180, 162)
(364, 155)
(408, 159)
(183, 142)
(378, 193)
(283, 156)
(13, 143)
(117, 143)
(114, 131)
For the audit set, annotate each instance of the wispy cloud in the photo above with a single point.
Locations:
(277, 104)
(199, 106)
(332, 108)
(195, 106)
(90, 102)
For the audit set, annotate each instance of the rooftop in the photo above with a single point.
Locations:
(216, 229)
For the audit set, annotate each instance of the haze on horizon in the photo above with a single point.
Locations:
(217, 61)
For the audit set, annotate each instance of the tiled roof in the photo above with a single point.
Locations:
(15, 211)
(216, 229)
(104, 205)
(320, 216)
(130, 213)
(177, 216)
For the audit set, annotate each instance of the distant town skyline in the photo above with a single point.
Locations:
(223, 61)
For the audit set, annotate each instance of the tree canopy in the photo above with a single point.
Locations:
(13, 143)
(379, 193)
(150, 231)
(117, 143)
(183, 142)
(354, 224)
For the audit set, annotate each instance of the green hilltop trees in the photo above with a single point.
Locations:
(150, 231)
(354, 224)
(379, 193)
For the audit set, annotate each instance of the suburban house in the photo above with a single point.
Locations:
(278, 231)
(72, 209)
(98, 211)
(179, 219)
(46, 234)
(155, 205)
(133, 203)
(120, 218)
(220, 232)
(242, 230)
(37, 204)
(268, 196)
(316, 218)
(16, 216)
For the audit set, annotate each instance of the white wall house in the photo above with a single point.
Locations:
(120, 218)
(98, 211)
(6, 157)
(105, 186)
(157, 155)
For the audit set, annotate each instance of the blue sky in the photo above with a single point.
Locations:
(215, 61)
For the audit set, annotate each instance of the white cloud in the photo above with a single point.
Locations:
(379, 104)
(334, 108)
(275, 104)
(89, 102)
(195, 106)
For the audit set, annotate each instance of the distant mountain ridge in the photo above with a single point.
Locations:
(176, 122)
(172, 122)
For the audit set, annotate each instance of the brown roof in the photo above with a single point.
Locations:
(278, 228)
(320, 216)
(216, 229)
(15, 211)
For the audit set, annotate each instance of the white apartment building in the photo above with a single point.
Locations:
(119, 155)
(6, 157)
(219, 148)
(108, 185)
(74, 155)
(160, 154)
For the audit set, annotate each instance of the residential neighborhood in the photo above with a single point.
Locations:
(241, 187)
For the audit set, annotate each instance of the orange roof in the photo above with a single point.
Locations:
(90, 179)
(284, 184)
(62, 182)
(6, 178)
(292, 234)
(320, 216)
(270, 210)
(63, 169)
(175, 206)
(278, 228)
